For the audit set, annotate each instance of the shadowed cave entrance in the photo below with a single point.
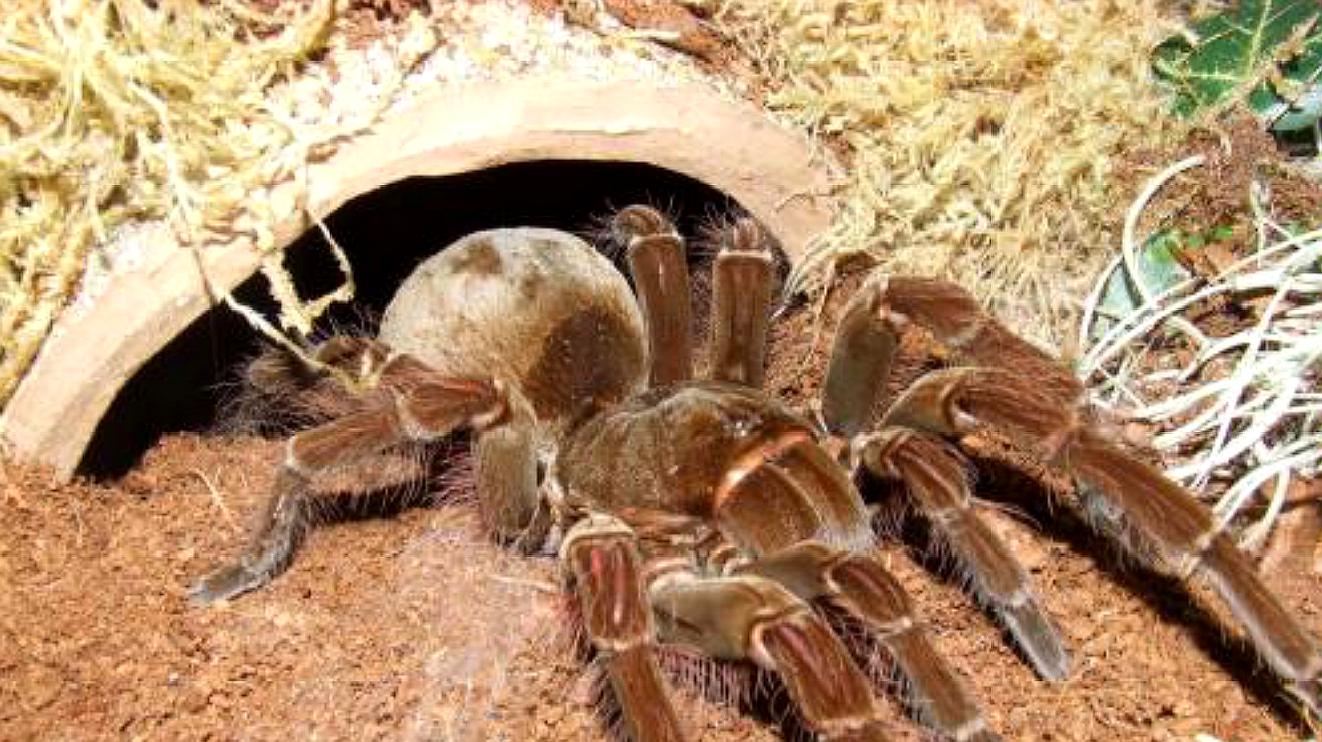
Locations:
(385, 233)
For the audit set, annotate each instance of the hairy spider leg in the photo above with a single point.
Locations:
(416, 404)
(1166, 521)
(602, 556)
(799, 520)
(742, 278)
(936, 479)
(660, 272)
(754, 618)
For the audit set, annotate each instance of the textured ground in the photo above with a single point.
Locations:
(414, 627)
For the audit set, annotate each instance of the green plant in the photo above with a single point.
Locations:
(1265, 52)
(1256, 424)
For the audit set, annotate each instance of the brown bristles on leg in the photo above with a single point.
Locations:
(936, 479)
(1180, 529)
(1161, 518)
(742, 278)
(637, 684)
(957, 321)
(865, 344)
(278, 535)
(415, 405)
(863, 589)
(814, 665)
(751, 617)
(661, 279)
(506, 457)
(602, 557)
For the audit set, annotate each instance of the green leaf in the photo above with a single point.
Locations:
(1158, 268)
(1268, 52)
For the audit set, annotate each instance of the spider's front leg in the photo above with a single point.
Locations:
(933, 474)
(407, 401)
(1162, 519)
(936, 479)
(792, 511)
(1020, 392)
(863, 588)
(868, 334)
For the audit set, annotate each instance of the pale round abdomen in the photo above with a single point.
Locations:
(536, 307)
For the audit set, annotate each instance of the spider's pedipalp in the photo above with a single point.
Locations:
(936, 481)
(863, 588)
(861, 356)
(751, 617)
(742, 279)
(602, 556)
(659, 267)
(506, 462)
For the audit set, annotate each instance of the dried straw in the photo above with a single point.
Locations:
(980, 138)
(118, 110)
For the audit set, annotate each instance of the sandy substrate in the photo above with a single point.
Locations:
(415, 627)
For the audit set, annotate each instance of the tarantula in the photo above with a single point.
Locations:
(703, 511)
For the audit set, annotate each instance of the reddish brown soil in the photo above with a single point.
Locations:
(415, 627)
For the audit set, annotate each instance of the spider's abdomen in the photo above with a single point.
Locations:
(538, 308)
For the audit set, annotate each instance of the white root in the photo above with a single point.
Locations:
(1258, 427)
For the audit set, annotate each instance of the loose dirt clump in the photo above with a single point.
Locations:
(415, 626)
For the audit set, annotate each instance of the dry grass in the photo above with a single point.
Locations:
(117, 110)
(205, 116)
(980, 138)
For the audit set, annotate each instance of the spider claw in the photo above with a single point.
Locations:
(1039, 640)
(223, 584)
(1308, 693)
(982, 735)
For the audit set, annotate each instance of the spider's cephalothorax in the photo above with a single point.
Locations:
(705, 512)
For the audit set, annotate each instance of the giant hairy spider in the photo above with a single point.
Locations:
(705, 512)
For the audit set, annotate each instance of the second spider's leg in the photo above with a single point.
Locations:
(742, 278)
(863, 588)
(1165, 520)
(937, 483)
(868, 334)
(661, 278)
(750, 617)
(602, 556)
(410, 402)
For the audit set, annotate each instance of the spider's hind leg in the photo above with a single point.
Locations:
(410, 403)
(742, 277)
(279, 391)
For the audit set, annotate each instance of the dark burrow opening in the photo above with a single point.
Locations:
(385, 233)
